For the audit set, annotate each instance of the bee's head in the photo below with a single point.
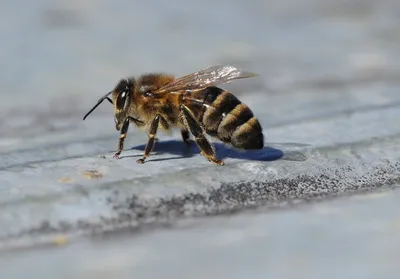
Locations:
(121, 96)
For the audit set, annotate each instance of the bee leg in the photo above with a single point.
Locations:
(137, 122)
(186, 136)
(122, 137)
(150, 143)
(198, 132)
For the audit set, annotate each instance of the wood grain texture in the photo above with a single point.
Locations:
(327, 97)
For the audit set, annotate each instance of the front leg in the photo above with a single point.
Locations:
(150, 143)
(124, 131)
(198, 132)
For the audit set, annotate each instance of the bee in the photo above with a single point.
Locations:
(192, 103)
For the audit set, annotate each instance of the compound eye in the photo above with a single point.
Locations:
(121, 99)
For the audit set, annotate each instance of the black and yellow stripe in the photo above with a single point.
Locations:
(230, 120)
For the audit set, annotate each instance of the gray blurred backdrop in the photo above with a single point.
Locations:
(328, 88)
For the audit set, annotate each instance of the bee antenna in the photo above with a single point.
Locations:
(98, 103)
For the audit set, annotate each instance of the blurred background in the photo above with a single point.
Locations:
(58, 57)
(316, 59)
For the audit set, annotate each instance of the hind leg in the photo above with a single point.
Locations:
(186, 136)
(199, 136)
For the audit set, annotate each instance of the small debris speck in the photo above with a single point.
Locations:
(65, 180)
(60, 240)
(92, 174)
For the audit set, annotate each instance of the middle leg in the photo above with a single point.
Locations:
(152, 139)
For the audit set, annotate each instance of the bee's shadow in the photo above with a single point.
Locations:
(178, 147)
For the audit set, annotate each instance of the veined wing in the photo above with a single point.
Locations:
(210, 76)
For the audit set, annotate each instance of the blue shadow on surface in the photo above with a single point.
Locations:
(178, 147)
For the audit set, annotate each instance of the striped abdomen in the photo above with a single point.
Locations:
(228, 119)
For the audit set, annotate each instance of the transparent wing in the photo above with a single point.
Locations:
(206, 77)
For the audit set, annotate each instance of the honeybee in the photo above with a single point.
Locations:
(192, 103)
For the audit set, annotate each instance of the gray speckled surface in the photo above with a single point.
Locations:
(345, 238)
(327, 95)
